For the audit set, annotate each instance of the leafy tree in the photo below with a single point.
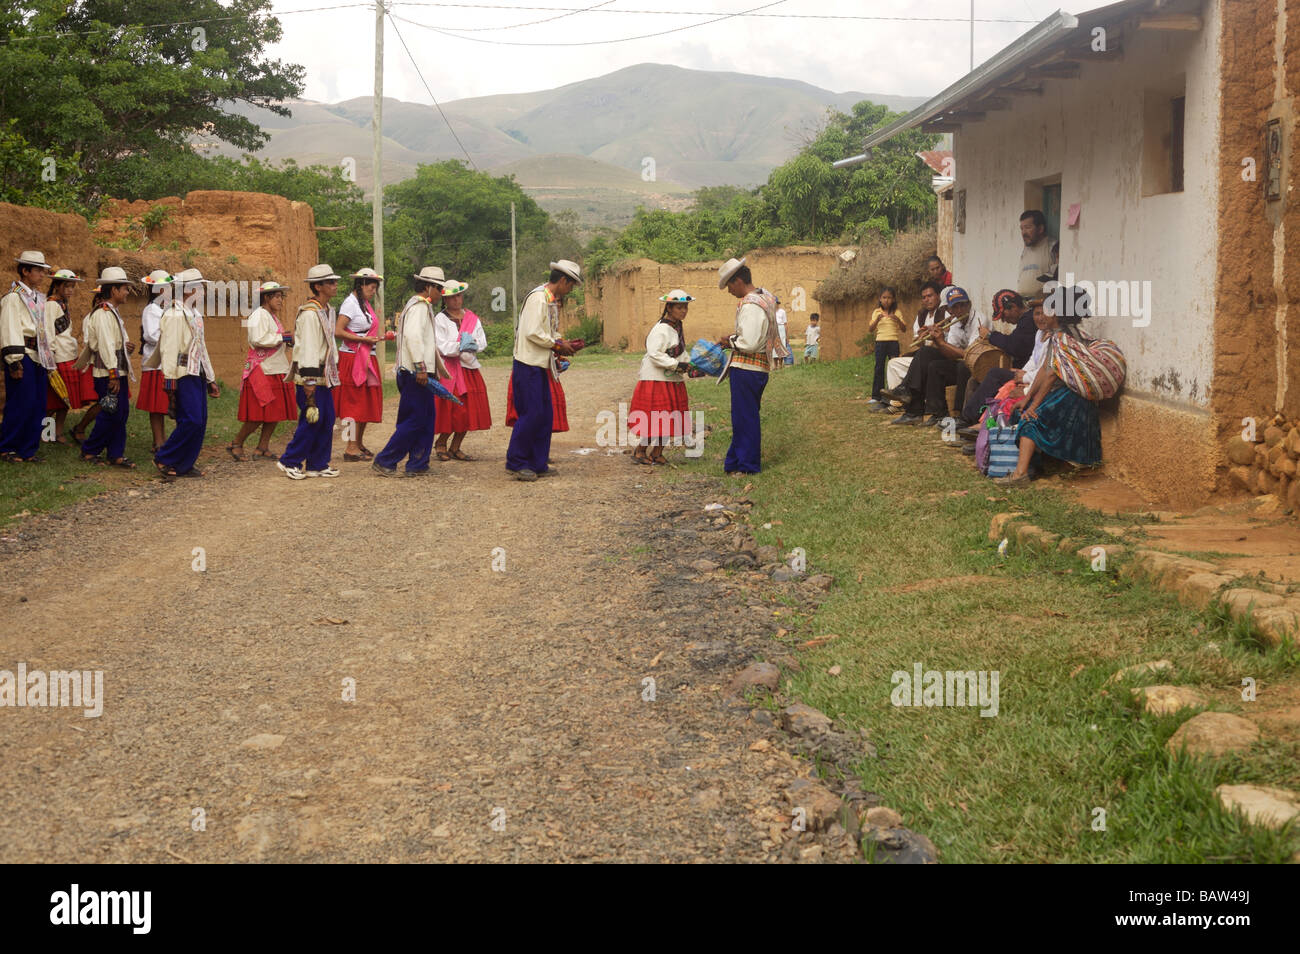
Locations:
(108, 79)
(23, 178)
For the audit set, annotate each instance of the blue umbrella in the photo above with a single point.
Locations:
(442, 392)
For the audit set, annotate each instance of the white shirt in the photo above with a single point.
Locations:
(17, 323)
(262, 333)
(961, 333)
(358, 321)
(62, 343)
(538, 329)
(417, 328)
(930, 318)
(150, 327)
(812, 335)
(1041, 338)
(447, 336)
(658, 364)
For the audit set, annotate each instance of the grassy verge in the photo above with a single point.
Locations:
(902, 522)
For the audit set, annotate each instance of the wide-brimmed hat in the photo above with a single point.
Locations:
(677, 296)
(113, 275)
(572, 269)
(728, 270)
(65, 275)
(368, 273)
(432, 273)
(32, 258)
(454, 287)
(159, 276)
(953, 295)
(267, 288)
(321, 273)
(190, 276)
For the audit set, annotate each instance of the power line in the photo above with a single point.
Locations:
(566, 12)
(391, 17)
(599, 8)
(625, 39)
(151, 26)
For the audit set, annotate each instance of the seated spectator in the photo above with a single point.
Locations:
(939, 364)
(887, 325)
(938, 272)
(1056, 421)
(1009, 309)
(929, 313)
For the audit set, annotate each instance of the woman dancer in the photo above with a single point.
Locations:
(361, 393)
(461, 339)
(265, 397)
(660, 408)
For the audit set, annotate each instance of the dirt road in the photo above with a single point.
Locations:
(498, 715)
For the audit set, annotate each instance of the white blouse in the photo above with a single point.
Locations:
(358, 321)
(447, 334)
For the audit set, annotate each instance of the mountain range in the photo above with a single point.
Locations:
(643, 135)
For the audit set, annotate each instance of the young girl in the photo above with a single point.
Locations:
(888, 327)
(456, 328)
(105, 352)
(265, 398)
(153, 394)
(361, 393)
(660, 408)
(64, 345)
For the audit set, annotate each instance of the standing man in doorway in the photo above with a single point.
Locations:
(1036, 256)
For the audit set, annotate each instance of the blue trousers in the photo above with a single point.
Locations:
(530, 444)
(20, 431)
(183, 444)
(109, 432)
(746, 451)
(312, 443)
(416, 424)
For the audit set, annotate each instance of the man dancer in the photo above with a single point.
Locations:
(28, 360)
(417, 358)
(537, 344)
(316, 373)
(752, 344)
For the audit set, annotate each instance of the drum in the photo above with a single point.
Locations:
(982, 357)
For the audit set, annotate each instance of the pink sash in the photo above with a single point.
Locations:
(254, 376)
(363, 375)
(455, 381)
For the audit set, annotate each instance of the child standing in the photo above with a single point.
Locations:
(812, 338)
(888, 326)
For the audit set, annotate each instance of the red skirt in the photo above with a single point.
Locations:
(559, 409)
(659, 409)
(87, 392)
(283, 405)
(71, 378)
(473, 415)
(365, 405)
(152, 396)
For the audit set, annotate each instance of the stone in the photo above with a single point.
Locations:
(768, 554)
(1276, 452)
(882, 817)
(704, 566)
(1240, 452)
(1293, 496)
(1031, 537)
(1267, 504)
(1214, 733)
(262, 741)
(823, 581)
(898, 846)
(1265, 482)
(739, 561)
(1242, 477)
(759, 675)
(1262, 805)
(804, 720)
(1293, 442)
(1277, 622)
(811, 855)
(1273, 435)
(1198, 590)
(1111, 550)
(762, 717)
(1242, 601)
(1283, 468)
(998, 525)
(820, 805)
(784, 574)
(1162, 700)
(1143, 669)
(709, 799)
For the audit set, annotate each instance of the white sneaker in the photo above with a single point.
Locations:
(293, 473)
(327, 472)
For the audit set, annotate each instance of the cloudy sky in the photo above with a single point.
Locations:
(463, 47)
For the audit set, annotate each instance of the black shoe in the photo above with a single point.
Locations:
(908, 419)
(968, 450)
(899, 394)
(932, 420)
(970, 433)
(523, 474)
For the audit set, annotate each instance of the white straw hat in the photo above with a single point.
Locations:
(432, 273)
(320, 273)
(66, 275)
(114, 276)
(32, 258)
(572, 269)
(728, 271)
(369, 273)
(677, 296)
(190, 276)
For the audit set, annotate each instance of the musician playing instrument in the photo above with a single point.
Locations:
(936, 367)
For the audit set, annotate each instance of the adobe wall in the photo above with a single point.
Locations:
(626, 298)
(844, 325)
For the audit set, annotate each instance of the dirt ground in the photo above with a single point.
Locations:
(498, 716)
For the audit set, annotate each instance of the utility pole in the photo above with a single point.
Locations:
(377, 166)
(514, 263)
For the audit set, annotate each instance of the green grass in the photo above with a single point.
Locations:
(880, 510)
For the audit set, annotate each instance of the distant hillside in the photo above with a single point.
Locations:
(745, 126)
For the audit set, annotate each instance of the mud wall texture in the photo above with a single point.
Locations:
(844, 327)
(626, 298)
(231, 237)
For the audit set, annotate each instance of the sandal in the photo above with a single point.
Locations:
(658, 460)
(95, 459)
(78, 435)
(192, 472)
(461, 455)
(238, 455)
(639, 459)
(443, 455)
(352, 458)
(263, 453)
(125, 463)
(34, 459)
(168, 473)
(367, 454)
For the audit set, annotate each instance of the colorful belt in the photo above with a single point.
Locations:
(751, 359)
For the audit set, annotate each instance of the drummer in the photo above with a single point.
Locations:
(660, 409)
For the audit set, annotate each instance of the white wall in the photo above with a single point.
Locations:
(1090, 131)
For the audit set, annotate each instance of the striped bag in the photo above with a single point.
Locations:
(1092, 368)
(1004, 453)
